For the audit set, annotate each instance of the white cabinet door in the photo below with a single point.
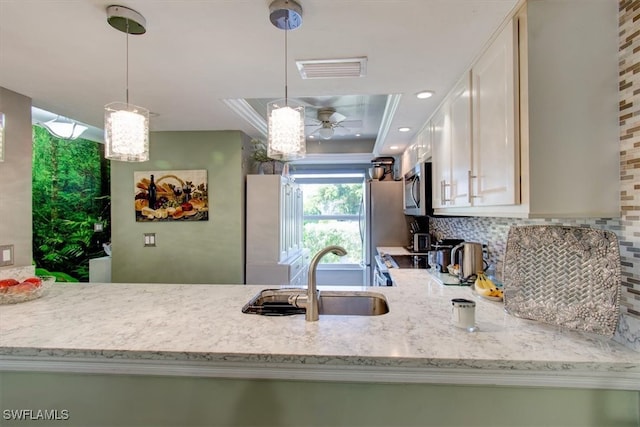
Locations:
(460, 122)
(274, 229)
(495, 149)
(441, 159)
(284, 233)
(427, 143)
(423, 144)
(296, 220)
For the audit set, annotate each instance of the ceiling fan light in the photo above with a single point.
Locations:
(325, 133)
(126, 132)
(64, 128)
(286, 139)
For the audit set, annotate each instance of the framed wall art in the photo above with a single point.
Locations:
(171, 196)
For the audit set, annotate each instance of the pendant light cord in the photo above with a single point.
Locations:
(286, 88)
(127, 64)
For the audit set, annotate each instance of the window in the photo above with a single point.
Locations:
(332, 205)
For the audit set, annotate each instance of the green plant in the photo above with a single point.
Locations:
(70, 195)
(259, 151)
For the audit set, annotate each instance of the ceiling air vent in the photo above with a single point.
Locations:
(332, 68)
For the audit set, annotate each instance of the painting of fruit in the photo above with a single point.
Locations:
(171, 196)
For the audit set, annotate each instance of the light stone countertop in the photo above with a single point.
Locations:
(199, 330)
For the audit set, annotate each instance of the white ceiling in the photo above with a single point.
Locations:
(197, 53)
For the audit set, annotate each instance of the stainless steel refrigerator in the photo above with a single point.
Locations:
(382, 221)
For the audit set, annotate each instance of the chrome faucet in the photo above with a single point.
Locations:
(310, 301)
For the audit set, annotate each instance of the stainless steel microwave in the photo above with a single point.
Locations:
(417, 190)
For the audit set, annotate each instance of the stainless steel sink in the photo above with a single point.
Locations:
(275, 302)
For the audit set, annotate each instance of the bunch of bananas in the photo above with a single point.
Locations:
(485, 287)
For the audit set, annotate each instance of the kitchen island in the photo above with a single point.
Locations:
(187, 331)
(200, 330)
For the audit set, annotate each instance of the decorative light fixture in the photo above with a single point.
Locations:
(326, 132)
(1, 137)
(286, 139)
(64, 128)
(126, 126)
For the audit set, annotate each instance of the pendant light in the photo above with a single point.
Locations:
(126, 126)
(286, 140)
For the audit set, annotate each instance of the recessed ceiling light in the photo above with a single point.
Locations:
(357, 134)
(393, 147)
(425, 94)
(404, 129)
(311, 137)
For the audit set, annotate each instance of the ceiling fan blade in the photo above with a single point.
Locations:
(337, 117)
(312, 121)
(350, 123)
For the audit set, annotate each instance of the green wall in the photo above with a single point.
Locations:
(104, 400)
(186, 252)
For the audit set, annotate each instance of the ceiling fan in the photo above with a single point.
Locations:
(328, 120)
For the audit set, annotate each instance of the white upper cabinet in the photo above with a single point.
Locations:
(495, 172)
(460, 122)
(418, 151)
(544, 125)
(452, 148)
(441, 164)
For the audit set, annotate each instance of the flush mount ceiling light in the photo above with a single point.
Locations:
(326, 132)
(425, 94)
(404, 129)
(126, 126)
(64, 128)
(286, 139)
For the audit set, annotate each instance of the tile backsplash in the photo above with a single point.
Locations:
(493, 231)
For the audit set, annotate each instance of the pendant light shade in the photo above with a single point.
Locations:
(286, 131)
(64, 128)
(286, 140)
(126, 126)
(126, 132)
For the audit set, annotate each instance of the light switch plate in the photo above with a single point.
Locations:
(149, 239)
(6, 255)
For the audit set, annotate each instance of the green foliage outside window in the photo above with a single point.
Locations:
(320, 234)
(70, 195)
(333, 199)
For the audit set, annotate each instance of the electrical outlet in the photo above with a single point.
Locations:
(149, 239)
(6, 255)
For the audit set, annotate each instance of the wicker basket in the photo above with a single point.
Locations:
(566, 276)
